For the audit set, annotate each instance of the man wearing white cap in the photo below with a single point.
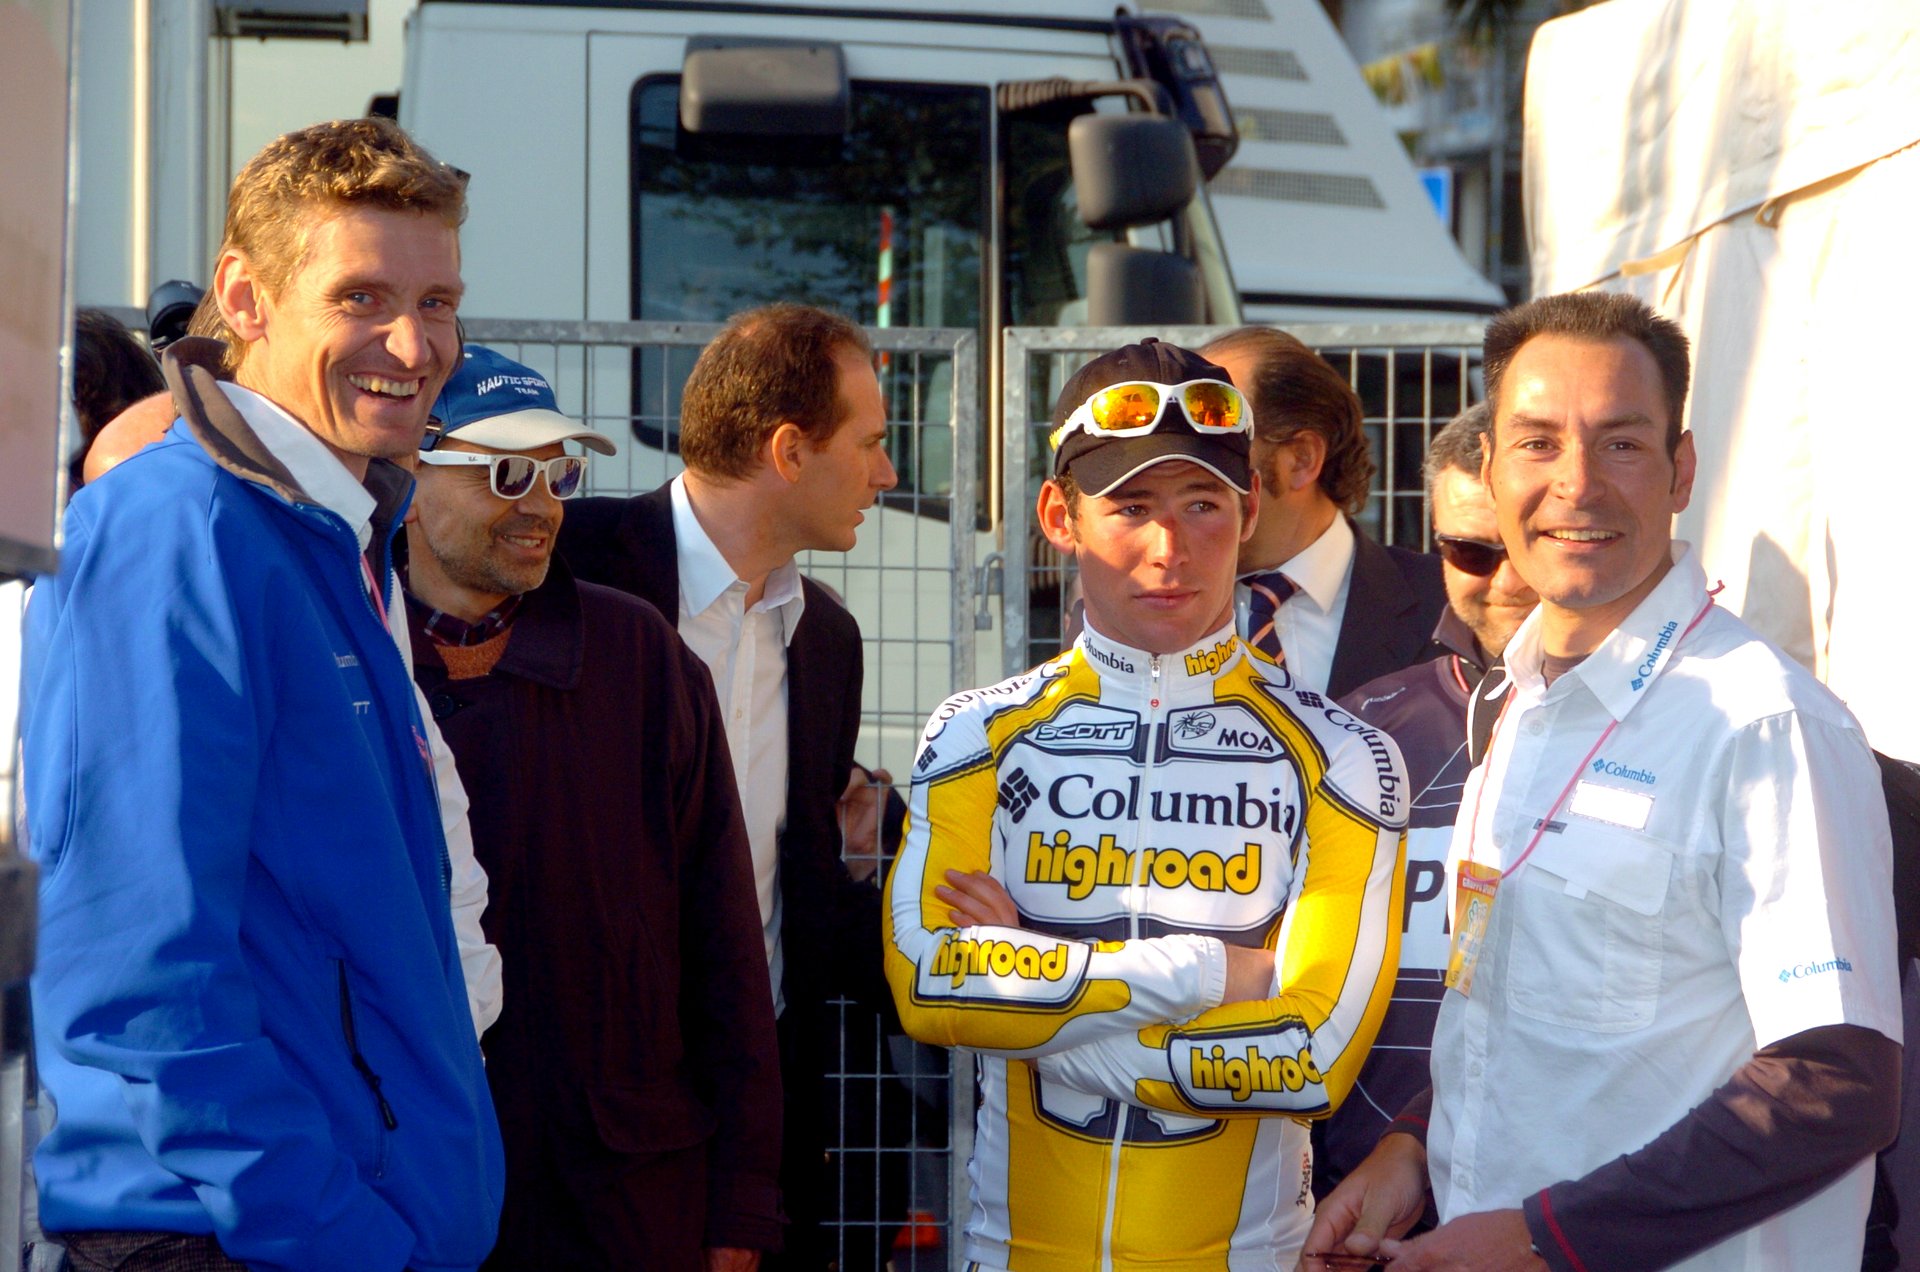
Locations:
(634, 1066)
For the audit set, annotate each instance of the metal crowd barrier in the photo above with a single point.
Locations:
(920, 582)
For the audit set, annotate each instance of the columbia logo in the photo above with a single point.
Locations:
(926, 758)
(1311, 700)
(1599, 765)
(1017, 793)
(1638, 683)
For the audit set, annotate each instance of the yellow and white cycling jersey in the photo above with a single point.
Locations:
(1145, 812)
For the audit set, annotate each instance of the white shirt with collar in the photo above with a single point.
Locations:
(1308, 624)
(316, 470)
(1718, 879)
(746, 650)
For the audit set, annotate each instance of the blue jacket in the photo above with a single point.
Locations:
(249, 1005)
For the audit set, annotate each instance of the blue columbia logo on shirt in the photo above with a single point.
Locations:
(1800, 971)
(1612, 768)
(1652, 659)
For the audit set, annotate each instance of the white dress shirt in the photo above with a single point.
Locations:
(746, 649)
(1718, 878)
(327, 481)
(1308, 624)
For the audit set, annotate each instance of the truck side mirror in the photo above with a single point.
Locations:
(1137, 287)
(764, 88)
(1130, 170)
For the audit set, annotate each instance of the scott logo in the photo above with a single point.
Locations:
(1117, 731)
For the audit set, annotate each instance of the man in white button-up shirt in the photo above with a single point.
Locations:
(784, 432)
(1671, 1036)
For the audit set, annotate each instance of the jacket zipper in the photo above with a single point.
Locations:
(372, 1079)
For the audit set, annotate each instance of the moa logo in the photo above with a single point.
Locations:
(1224, 730)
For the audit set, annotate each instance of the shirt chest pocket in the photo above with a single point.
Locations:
(1588, 940)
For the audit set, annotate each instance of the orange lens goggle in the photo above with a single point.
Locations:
(1136, 407)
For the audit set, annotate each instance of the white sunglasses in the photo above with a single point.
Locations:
(512, 476)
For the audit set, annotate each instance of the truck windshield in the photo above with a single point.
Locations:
(886, 226)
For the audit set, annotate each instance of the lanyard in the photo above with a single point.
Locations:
(373, 590)
(1546, 820)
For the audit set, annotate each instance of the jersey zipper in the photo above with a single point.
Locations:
(1137, 891)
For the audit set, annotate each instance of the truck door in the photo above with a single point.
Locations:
(894, 225)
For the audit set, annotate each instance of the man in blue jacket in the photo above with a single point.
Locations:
(249, 1004)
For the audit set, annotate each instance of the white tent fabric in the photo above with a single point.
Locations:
(1752, 168)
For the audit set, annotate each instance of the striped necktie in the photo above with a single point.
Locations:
(1269, 592)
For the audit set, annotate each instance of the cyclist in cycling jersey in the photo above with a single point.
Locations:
(1154, 881)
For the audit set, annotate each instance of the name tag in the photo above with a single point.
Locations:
(1611, 804)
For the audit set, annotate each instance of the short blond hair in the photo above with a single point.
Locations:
(302, 178)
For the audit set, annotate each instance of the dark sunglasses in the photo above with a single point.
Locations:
(1470, 556)
(512, 476)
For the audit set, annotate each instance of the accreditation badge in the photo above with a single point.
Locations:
(1474, 891)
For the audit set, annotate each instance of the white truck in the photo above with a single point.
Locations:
(948, 170)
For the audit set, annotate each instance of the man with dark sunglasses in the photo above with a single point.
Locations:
(1426, 708)
(633, 1066)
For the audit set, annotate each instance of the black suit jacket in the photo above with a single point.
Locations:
(830, 925)
(1394, 602)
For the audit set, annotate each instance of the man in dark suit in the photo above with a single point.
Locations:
(783, 433)
(1339, 608)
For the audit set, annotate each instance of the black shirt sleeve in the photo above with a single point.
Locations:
(1788, 1123)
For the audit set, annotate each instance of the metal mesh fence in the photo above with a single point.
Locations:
(903, 1111)
(1410, 379)
(910, 582)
